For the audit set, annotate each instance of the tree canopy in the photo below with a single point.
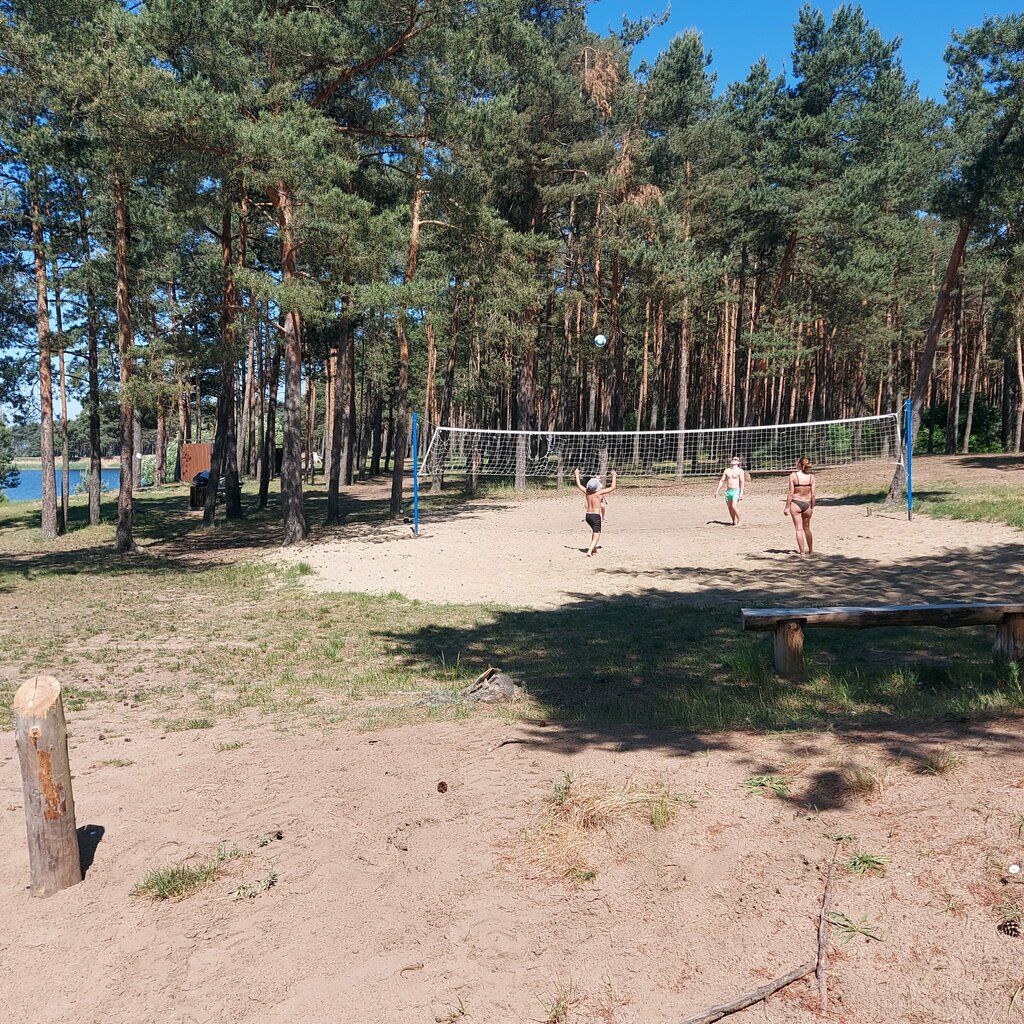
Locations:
(283, 226)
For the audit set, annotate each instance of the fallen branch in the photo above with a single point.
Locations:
(724, 1009)
(822, 964)
(817, 966)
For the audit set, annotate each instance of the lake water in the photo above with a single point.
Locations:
(30, 485)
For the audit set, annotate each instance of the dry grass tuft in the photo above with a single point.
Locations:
(565, 841)
(943, 762)
(561, 1002)
(864, 782)
(585, 807)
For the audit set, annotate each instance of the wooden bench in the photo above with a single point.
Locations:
(789, 624)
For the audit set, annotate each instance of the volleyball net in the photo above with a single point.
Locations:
(673, 454)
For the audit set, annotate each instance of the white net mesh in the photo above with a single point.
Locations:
(666, 453)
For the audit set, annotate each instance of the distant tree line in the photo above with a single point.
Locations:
(288, 224)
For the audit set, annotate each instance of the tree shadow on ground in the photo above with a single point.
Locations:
(1009, 461)
(656, 670)
(171, 537)
(965, 574)
(878, 498)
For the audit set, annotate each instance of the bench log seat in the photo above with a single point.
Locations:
(788, 625)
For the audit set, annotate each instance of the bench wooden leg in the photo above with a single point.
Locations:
(789, 649)
(1009, 645)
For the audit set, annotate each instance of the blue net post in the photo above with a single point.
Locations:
(910, 460)
(415, 474)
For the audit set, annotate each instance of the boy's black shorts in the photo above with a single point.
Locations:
(594, 521)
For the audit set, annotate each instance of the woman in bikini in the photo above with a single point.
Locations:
(800, 505)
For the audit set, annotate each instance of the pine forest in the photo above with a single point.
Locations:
(282, 227)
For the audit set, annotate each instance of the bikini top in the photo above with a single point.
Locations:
(797, 482)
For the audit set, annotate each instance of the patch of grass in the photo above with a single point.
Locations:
(176, 881)
(7, 691)
(955, 906)
(1010, 911)
(558, 1007)
(78, 698)
(577, 875)
(849, 929)
(943, 762)
(185, 724)
(283, 651)
(756, 785)
(451, 1013)
(223, 748)
(589, 806)
(257, 888)
(565, 842)
(663, 809)
(296, 571)
(992, 504)
(863, 782)
(866, 864)
(117, 762)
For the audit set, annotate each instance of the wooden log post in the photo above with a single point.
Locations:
(1009, 643)
(41, 737)
(789, 649)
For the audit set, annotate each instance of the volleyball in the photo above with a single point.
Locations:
(600, 341)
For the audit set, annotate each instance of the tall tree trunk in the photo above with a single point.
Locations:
(330, 385)
(137, 449)
(979, 353)
(224, 458)
(292, 510)
(160, 473)
(682, 398)
(244, 452)
(924, 372)
(377, 443)
(92, 335)
(430, 395)
(956, 344)
(65, 455)
(255, 463)
(49, 481)
(350, 430)
(269, 445)
(336, 414)
(400, 432)
(1020, 391)
(1004, 396)
(124, 540)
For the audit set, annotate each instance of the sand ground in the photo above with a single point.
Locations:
(531, 553)
(396, 902)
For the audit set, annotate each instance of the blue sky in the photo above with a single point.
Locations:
(739, 32)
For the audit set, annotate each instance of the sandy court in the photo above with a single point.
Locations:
(530, 553)
(396, 902)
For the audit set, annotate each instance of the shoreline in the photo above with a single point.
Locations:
(79, 464)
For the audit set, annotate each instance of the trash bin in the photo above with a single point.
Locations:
(197, 491)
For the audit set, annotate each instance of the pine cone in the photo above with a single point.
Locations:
(1011, 927)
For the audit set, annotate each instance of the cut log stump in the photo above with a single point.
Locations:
(1009, 643)
(41, 736)
(789, 649)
